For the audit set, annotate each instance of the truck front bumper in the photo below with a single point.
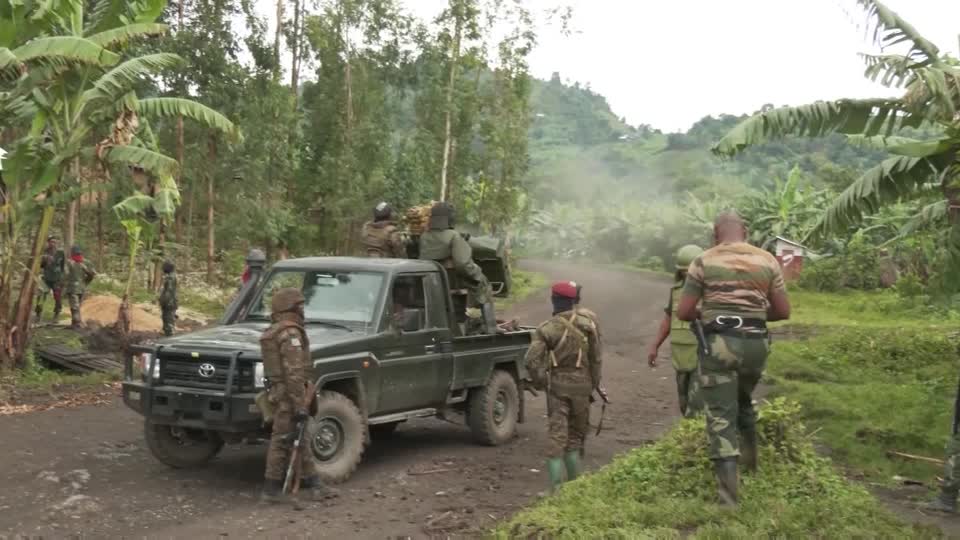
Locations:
(193, 407)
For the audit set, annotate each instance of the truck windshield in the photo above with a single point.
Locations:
(344, 298)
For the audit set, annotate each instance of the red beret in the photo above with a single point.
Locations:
(566, 289)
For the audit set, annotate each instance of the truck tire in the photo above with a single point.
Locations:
(494, 409)
(181, 448)
(382, 432)
(338, 434)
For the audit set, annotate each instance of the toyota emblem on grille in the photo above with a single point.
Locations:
(207, 370)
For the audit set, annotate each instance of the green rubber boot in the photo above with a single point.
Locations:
(727, 481)
(572, 461)
(555, 471)
(748, 450)
(945, 502)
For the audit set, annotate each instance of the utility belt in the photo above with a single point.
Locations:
(736, 326)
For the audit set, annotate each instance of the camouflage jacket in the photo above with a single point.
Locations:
(384, 239)
(445, 244)
(566, 352)
(286, 358)
(79, 275)
(168, 291)
(52, 264)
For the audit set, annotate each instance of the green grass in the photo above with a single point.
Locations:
(879, 374)
(666, 490)
(524, 284)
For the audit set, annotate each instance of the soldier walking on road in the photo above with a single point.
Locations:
(168, 298)
(683, 344)
(79, 274)
(565, 360)
(740, 289)
(52, 265)
(381, 237)
(286, 363)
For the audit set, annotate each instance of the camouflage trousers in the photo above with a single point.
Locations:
(688, 393)
(47, 288)
(951, 469)
(75, 301)
(569, 418)
(728, 377)
(169, 317)
(278, 454)
(478, 287)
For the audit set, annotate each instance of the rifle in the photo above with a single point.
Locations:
(292, 479)
(602, 392)
(956, 411)
(703, 347)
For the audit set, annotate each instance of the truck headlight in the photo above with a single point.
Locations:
(145, 359)
(258, 375)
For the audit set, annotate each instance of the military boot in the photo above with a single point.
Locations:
(946, 502)
(572, 460)
(555, 468)
(748, 450)
(318, 490)
(272, 492)
(727, 481)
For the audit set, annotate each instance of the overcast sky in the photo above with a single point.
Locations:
(669, 63)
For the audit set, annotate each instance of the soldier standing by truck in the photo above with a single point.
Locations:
(565, 360)
(168, 298)
(445, 245)
(286, 364)
(683, 344)
(381, 237)
(79, 274)
(52, 266)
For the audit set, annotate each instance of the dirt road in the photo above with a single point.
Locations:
(86, 470)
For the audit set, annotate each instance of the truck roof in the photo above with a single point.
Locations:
(357, 264)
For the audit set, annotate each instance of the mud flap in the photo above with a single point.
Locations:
(521, 414)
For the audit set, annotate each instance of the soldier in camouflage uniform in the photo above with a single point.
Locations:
(740, 288)
(565, 360)
(445, 245)
(683, 344)
(52, 266)
(79, 274)
(381, 237)
(946, 500)
(168, 298)
(286, 364)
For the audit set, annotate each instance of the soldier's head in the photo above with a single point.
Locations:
(76, 253)
(287, 300)
(442, 216)
(52, 241)
(168, 267)
(684, 257)
(729, 227)
(564, 295)
(382, 212)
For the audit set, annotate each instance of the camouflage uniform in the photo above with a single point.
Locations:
(168, 299)
(683, 355)
(450, 249)
(384, 239)
(733, 279)
(947, 500)
(286, 363)
(79, 275)
(52, 264)
(565, 360)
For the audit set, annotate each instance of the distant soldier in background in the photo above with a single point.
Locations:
(565, 360)
(52, 265)
(168, 298)
(683, 344)
(381, 237)
(79, 274)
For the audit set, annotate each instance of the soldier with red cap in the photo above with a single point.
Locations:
(565, 359)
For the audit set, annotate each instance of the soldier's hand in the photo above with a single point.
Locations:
(301, 415)
(652, 357)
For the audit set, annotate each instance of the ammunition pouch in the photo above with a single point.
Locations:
(266, 409)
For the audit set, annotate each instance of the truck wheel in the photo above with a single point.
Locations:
(382, 432)
(181, 448)
(494, 409)
(337, 436)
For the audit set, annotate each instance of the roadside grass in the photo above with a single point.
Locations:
(666, 490)
(524, 284)
(879, 374)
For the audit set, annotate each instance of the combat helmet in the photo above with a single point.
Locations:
(686, 255)
(286, 299)
(382, 211)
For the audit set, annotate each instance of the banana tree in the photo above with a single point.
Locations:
(930, 80)
(62, 70)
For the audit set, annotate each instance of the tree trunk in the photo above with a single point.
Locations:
(295, 50)
(70, 227)
(191, 196)
(276, 41)
(159, 257)
(19, 334)
(211, 200)
(178, 226)
(100, 240)
(448, 123)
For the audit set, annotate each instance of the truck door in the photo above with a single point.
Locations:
(412, 371)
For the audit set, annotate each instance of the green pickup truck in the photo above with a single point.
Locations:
(386, 344)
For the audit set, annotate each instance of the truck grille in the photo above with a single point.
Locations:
(185, 371)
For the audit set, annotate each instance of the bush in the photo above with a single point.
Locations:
(857, 268)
